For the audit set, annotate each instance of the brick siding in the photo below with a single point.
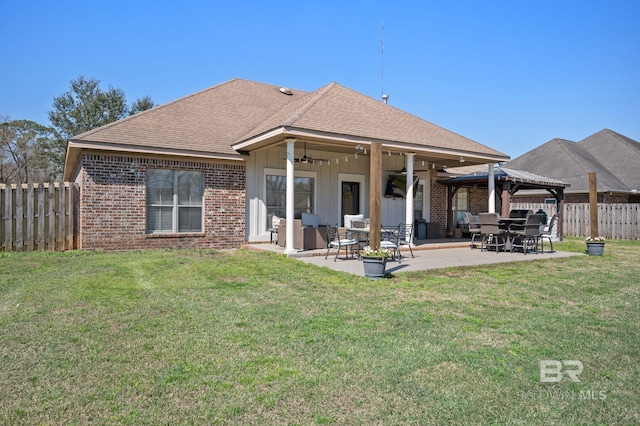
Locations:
(439, 206)
(478, 200)
(113, 204)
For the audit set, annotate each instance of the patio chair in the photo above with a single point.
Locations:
(334, 241)
(405, 236)
(520, 213)
(549, 232)
(362, 237)
(525, 236)
(492, 234)
(390, 239)
(275, 224)
(472, 227)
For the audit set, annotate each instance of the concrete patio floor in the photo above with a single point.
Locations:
(429, 254)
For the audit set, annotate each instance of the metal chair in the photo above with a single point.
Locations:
(334, 240)
(405, 236)
(389, 239)
(549, 232)
(473, 228)
(525, 236)
(492, 234)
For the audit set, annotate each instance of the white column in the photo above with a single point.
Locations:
(492, 190)
(290, 197)
(409, 200)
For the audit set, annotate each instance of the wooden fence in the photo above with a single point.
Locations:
(616, 221)
(38, 217)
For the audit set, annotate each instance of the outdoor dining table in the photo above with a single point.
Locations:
(508, 236)
(361, 235)
(504, 222)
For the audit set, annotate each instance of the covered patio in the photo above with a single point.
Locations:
(340, 148)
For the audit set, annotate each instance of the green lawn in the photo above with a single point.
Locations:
(210, 337)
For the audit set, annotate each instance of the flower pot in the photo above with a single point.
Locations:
(374, 267)
(595, 249)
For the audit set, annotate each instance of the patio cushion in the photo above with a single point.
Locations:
(312, 220)
(349, 218)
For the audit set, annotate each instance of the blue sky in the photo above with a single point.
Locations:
(509, 74)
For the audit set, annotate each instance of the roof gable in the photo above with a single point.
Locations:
(609, 154)
(210, 120)
(335, 109)
(617, 153)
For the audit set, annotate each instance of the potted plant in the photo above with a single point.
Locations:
(595, 246)
(375, 261)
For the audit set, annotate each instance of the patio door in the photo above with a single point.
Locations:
(350, 194)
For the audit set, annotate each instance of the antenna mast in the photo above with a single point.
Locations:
(385, 97)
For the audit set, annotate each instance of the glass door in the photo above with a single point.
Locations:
(350, 199)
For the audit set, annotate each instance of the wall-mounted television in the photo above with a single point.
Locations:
(397, 186)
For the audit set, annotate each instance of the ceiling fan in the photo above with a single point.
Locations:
(403, 171)
(304, 159)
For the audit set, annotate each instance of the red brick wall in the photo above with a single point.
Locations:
(113, 204)
(439, 206)
(479, 200)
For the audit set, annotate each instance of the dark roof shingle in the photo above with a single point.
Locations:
(612, 156)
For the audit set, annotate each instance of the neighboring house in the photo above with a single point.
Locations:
(211, 169)
(613, 157)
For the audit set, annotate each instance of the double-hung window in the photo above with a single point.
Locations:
(276, 195)
(174, 201)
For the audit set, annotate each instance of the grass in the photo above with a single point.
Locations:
(212, 337)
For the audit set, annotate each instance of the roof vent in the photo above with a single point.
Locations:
(286, 91)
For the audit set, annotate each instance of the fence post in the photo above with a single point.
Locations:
(8, 218)
(51, 241)
(30, 214)
(593, 205)
(41, 235)
(19, 217)
(61, 217)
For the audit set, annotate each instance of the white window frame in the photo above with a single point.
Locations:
(282, 172)
(175, 205)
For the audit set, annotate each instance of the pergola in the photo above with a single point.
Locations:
(506, 182)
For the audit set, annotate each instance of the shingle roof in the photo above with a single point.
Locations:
(527, 179)
(339, 110)
(613, 157)
(618, 154)
(210, 120)
(236, 113)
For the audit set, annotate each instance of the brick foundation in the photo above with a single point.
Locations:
(113, 204)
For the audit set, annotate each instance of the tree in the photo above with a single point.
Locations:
(140, 105)
(25, 151)
(85, 107)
